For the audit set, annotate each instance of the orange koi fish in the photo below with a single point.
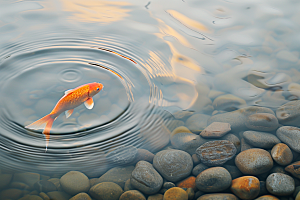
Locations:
(71, 99)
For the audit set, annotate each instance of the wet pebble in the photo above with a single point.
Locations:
(58, 195)
(145, 178)
(189, 182)
(290, 135)
(11, 194)
(118, 175)
(246, 187)
(233, 170)
(132, 195)
(218, 196)
(197, 122)
(31, 197)
(262, 122)
(254, 161)
(122, 155)
(156, 197)
(267, 197)
(168, 185)
(19, 185)
(128, 186)
(44, 186)
(173, 165)
(106, 190)
(175, 193)
(216, 153)
(180, 129)
(27, 177)
(215, 130)
(195, 159)
(294, 169)
(245, 145)
(228, 102)
(198, 169)
(282, 154)
(81, 196)
(234, 139)
(215, 179)
(280, 184)
(260, 139)
(187, 142)
(288, 114)
(75, 182)
(143, 154)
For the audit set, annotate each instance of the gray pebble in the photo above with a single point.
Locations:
(173, 165)
(75, 182)
(168, 185)
(215, 179)
(198, 169)
(234, 139)
(128, 186)
(219, 196)
(245, 145)
(187, 142)
(291, 136)
(145, 178)
(262, 122)
(234, 171)
(280, 184)
(122, 155)
(288, 114)
(44, 186)
(282, 154)
(260, 139)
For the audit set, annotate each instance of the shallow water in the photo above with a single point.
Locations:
(154, 58)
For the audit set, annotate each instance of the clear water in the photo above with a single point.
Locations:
(153, 57)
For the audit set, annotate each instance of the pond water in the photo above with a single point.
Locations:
(163, 64)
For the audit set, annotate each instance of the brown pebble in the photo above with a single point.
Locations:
(216, 130)
(44, 196)
(156, 197)
(81, 196)
(246, 187)
(189, 182)
(218, 196)
(195, 159)
(282, 154)
(294, 169)
(267, 197)
(175, 193)
(132, 195)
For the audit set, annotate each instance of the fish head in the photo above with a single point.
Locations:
(95, 88)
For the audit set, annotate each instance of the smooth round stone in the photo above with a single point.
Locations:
(215, 179)
(145, 178)
(288, 114)
(11, 194)
(81, 196)
(174, 124)
(44, 186)
(228, 102)
(260, 139)
(173, 165)
(168, 185)
(156, 197)
(132, 195)
(215, 130)
(282, 154)
(197, 122)
(189, 182)
(294, 169)
(267, 197)
(234, 139)
(291, 136)
(245, 145)
(75, 182)
(118, 175)
(195, 159)
(175, 193)
(180, 129)
(106, 191)
(216, 153)
(19, 185)
(246, 187)
(31, 197)
(144, 155)
(58, 195)
(198, 169)
(128, 186)
(262, 122)
(280, 184)
(122, 155)
(28, 178)
(187, 142)
(254, 161)
(219, 196)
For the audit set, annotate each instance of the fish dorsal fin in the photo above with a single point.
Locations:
(69, 113)
(89, 104)
(68, 91)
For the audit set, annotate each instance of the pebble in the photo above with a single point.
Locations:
(44, 196)
(19, 185)
(174, 124)
(145, 178)
(189, 182)
(290, 135)
(228, 102)
(288, 114)
(58, 195)
(143, 154)
(216, 153)
(195, 159)
(187, 142)
(234, 139)
(218, 196)
(118, 175)
(215, 130)
(262, 122)
(175, 193)
(132, 195)
(191, 193)
(156, 197)
(128, 186)
(254, 161)
(173, 165)
(280, 184)
(198, 169)
(214, 179)
(282, 154)
(197, 122)
(294, 169)
(234, 171)
(31, 197)
(260, 139)
(246, 187)
(168, 185)
(81, 196)
(106, 190)
(11, 194)
(267, 197)
(75, 182)
(27, 178)
(44, 186)
(245, 145)
(5, 180)
(180, 129)
(122, 155)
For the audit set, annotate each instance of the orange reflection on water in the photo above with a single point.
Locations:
(96, 11)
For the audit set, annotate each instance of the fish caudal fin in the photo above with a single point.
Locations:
(43, 123)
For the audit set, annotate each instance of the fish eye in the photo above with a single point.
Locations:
(97, 88)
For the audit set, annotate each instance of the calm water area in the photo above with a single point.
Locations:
(164, 64)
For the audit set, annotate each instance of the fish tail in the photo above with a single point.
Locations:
(43, 123)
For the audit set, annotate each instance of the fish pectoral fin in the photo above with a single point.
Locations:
(89, 104)
(68, 91)
(69, 113)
